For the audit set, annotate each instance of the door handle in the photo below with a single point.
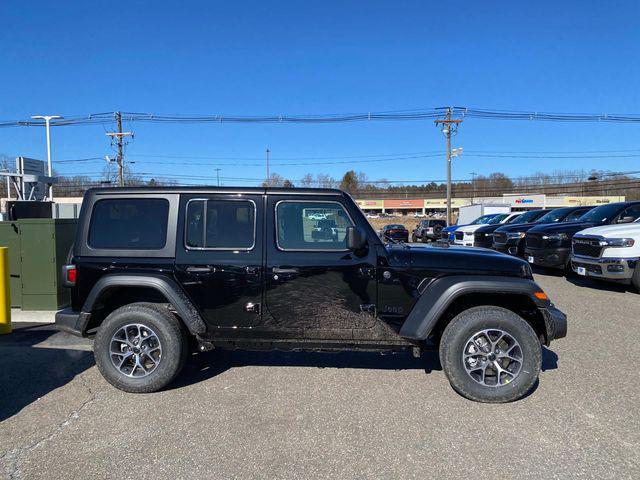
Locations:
(284, 271)
(202, 269)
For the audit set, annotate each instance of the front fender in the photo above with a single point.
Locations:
(442, 292)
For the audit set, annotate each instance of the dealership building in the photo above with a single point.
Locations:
(517, 202)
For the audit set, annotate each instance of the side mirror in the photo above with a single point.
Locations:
(626, 220)
(356, 238)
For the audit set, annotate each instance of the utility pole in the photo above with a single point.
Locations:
(449, 125)
(473, 185)
(268, 178)
(47, 121)
(217, 170)
(119, 136)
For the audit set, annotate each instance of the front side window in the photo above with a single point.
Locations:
(220, 224)
(129, 224)
(311, 225)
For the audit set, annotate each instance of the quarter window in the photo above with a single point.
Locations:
(312, 225)
(129, 224)
(220, 224)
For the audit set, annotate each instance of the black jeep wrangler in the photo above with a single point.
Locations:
(157, 270)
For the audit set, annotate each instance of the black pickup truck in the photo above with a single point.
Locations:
(155, 270)
(550, 245)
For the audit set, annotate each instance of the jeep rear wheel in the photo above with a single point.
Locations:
(140, 348)
(490, 354)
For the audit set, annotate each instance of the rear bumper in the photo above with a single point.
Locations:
(555, 323)
(548, 257)
(72, 322)
(614, 269)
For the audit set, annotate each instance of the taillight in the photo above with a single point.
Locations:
(69, 275)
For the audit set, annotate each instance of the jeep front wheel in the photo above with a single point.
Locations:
(490, 354)
(140, 348)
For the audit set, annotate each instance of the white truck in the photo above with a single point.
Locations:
(468, 213)
(609, 252)
(465, 235)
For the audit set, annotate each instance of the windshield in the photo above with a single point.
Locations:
(529, 217)
(515, 219)
(553, 216)
(497, 219)
(600, 214)
(483, 219)
(395, 227)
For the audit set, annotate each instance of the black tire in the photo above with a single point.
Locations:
(437, 230)
(455, 339)
(425, 238)
(171, 335)
(635, 279)
(414, 239)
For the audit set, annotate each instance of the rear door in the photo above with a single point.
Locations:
(219, 257)
(313, 283)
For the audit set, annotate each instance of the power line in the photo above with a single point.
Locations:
(393, 115)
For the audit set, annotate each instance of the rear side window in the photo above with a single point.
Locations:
(129, 224)
(311, 225)
(220, 224)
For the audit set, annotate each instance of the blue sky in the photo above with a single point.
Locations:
(248, 58)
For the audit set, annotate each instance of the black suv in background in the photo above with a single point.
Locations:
(428, 230)
(509, 238)
(550, 245)
(155, 270)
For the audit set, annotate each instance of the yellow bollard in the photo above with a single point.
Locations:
(5, 292)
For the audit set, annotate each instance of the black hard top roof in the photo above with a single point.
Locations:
(214, 189)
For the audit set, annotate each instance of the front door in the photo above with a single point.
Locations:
(219, 258)
(313, 283)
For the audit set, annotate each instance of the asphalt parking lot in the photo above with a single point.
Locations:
(301, 415)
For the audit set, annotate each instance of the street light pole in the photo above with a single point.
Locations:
(218, 174)
(47, 121)
(267, 152)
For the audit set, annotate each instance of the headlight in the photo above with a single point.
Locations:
(515, 234)
(556, 236)
(618, 242)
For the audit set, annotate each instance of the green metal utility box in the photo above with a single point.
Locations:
(43, 245)
(10, 237)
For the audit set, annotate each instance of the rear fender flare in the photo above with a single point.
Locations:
(166, 286)
(442, 292)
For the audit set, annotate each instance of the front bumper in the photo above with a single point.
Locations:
(555, 323)
(554, 257)
(615, 269)
(72, 322)
(484, 242)
(465, 242)
(512, 247)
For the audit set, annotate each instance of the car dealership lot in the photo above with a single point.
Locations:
(296, 415)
